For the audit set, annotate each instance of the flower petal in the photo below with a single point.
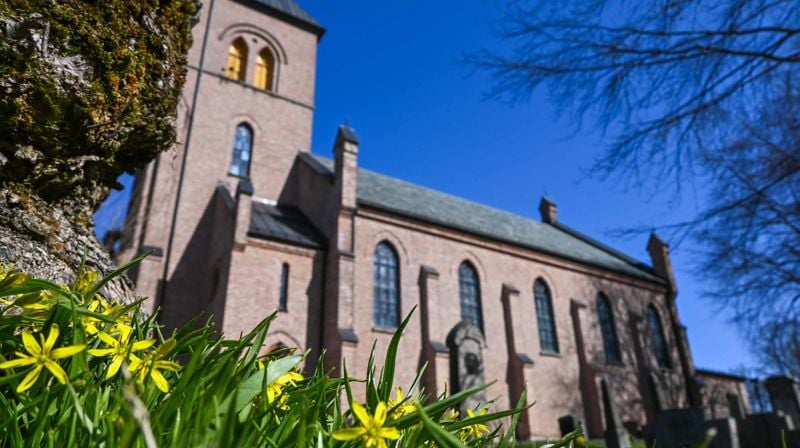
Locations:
(29, 379)
(66, 352)
(361, 413)
(141, 345)
(348, 434)
(161, 383)
(115, 365)
(51, 339)
(57, 371)
(389, 432)
(380, 414)
(19, 362)
(31, 346)
(105, 337)
(101, 351)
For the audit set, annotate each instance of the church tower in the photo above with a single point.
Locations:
(245, 114)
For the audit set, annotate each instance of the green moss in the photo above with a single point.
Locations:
(101, 98)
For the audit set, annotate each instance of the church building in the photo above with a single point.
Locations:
(241, 219)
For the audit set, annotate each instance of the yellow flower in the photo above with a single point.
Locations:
(153, 363)
(33, 301)
(109, 309)
(85, 281)
(451, 415)
(41, 356)
(475, 430)
(120, 348)
(399, 406)
(10, 277)
(275, 390)
(372, 431)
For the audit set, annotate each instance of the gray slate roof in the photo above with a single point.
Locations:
(284, 224)
(407, 199)
(291, 9)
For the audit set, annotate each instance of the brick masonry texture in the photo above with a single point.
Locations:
(235, 278)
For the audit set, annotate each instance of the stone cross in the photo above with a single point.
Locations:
(466, 343)
(616, 436)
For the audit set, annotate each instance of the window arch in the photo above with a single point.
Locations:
(386, 287)
(242, 150)
(469, 289)
(265, 69)
(657, 336)
(548, 339)
(237, 60)
(605, 314)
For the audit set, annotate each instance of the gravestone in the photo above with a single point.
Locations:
(569, 423)
(726, 434)
(616, 436)
(764, 430)
(678, 427)
(466, 343)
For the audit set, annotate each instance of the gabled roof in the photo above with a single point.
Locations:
(291, 10)
(424, 204)
(285, 224)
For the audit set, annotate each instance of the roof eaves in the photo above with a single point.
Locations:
(730, 376)
(407, 214)
(607, 249)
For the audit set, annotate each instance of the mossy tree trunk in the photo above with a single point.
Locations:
(88, 90)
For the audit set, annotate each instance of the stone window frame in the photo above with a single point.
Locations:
(658, 338)
(259, 38)
(386, 304)
(608, 329)
(270, 64)
(237, 60)
(283, 292)
(545, 318)
(469, 291)
(236, 159)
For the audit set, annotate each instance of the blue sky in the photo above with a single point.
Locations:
(392, 69)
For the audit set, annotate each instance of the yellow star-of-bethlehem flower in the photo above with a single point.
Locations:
(108, 309)
(276, 389)
(372, 432)
(475, 430)
(41, 356)
(153, 363)
(400, 407)
(120, 348)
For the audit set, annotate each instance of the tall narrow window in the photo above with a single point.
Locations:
(470, 292)
(237, 60)
(283, 299)
(265, 66)
(242, 148)
(605, 315)
(657, 336)
(386, 287)
(548, 340)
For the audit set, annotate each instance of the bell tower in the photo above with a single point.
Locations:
(246, 112)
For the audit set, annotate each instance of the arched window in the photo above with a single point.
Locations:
(242, 149)
(605, 315)
(237, 60)
(470, 292)
(548, 340)
(386, 287)
(265, 70)
(657, 336)
(283, 298)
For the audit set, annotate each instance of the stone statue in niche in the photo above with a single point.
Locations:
(466, 343)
